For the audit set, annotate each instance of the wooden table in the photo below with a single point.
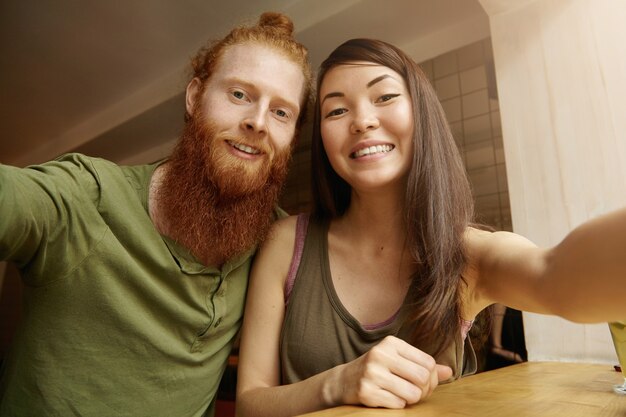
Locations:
(528, 389)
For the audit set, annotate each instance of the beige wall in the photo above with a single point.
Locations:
(560, 66)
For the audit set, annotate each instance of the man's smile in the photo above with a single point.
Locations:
(244, 148)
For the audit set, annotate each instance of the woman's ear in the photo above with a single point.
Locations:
(193, 94)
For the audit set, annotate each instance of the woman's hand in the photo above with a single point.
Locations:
(392, 374)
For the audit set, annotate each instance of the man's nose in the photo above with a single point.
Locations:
(255, 120)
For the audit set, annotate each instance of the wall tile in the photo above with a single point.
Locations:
(473, 79)
(488, 210)
(494, 104)
(452, 108)
(479, 155)
(457, 132)
(502, 179)
(506, 212)
(448, 87)
(484, 181)
(477, 129)
(471, 56)
(427, 67)
(505, 203)
(508, 227)
(487, 49)
(475, 103)
(445, 64)
(499, 150)
(496, 123)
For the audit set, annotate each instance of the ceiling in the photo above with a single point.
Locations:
(106, 77)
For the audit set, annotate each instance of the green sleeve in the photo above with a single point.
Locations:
(39, 206)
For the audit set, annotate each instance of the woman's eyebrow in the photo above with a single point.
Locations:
(379, 79)
(334, 94)
(368, 85)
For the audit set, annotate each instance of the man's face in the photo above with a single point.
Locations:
(251, 103)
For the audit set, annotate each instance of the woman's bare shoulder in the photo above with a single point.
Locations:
(276, 252)
(498, 262)
(488, 252)
(284, 228)
(478, 240)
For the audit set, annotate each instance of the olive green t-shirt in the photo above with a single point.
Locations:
(117, 319)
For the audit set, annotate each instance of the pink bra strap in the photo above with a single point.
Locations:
(301, 226)
(466, 325)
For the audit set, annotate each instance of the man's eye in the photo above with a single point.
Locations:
(336, 112)
(281, 113)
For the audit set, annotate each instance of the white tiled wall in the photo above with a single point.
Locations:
(461, 79)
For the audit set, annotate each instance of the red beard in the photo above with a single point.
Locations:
(216, 205)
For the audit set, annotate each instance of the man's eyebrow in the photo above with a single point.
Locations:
(237, 80)
(251, 86)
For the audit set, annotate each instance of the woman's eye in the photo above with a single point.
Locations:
(281, 113)
(239, 95)
(387, 97)
(336, 112)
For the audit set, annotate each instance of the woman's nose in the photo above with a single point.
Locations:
(363, 121)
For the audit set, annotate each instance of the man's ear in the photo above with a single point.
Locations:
(193, 94)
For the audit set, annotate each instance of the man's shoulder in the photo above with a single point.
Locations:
(279, 213)
(104, 169)
(78, 165)
(79, 159)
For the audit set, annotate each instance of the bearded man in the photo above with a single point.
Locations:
(135, 277)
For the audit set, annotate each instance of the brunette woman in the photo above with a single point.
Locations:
(369, 299)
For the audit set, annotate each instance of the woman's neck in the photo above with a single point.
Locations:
(370, 265)
(373, 219)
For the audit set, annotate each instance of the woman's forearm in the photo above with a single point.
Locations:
(315, 393)
(392, 374)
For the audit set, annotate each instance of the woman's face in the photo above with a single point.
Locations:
(367, 124)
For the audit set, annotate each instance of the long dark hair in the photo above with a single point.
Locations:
(438, 206)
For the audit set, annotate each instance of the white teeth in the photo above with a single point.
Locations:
(244, 148)
(372, 150)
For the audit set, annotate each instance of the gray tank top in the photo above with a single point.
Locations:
(319, 333)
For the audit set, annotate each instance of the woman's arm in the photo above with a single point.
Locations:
(582, 279)
(392, 374)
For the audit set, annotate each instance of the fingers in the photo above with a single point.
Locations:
(372, 395)
(413, 365)
(405, 390)
(366, 380)
(394, 374)
(440, 373)
(443, 372)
